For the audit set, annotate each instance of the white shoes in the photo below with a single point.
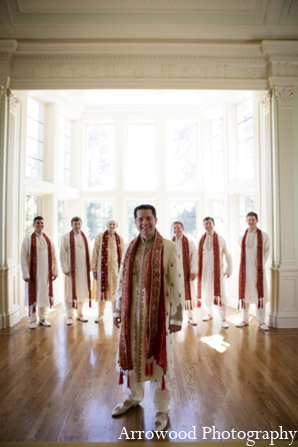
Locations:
(160, 423)
(121, 409)
(241, 324)
(224, 325)
(83, 319)
(192, 322)
(98, 320)
(45, 323)
(264, 327)
(69, 321)
(32, 325)
(207, 317)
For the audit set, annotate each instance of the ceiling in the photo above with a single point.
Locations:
(154, 20)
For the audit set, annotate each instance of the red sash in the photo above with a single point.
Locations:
(33, 269)
(155, 325)
(73, 267)
(216, 263)
(186, 272)
(260, 272)
(104, 261)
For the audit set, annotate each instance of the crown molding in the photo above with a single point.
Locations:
(95, 6)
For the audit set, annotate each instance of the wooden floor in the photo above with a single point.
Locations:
(60, 383)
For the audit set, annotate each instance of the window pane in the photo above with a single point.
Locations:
(184, 212)
(245, 141)
(100, 144)
(217, 154)
(33, 208)
(35, 139)
(97, 214)
(182, 163)
(246, 204)
(63, 152)
(63, 218)
(140, 174)
(218, 215)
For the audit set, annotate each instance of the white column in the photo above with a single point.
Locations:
(284, 270)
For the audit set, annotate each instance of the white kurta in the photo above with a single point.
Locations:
(113, 268)
(42, 268)
(251, 293)
(193, 265)
(208, 269)
(80, 267)
(174, 306)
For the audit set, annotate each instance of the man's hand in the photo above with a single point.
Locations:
(27, 279)
(67, 274)
(174, 328)
(117, 322)
(192, 276)
(95, 275)
(54, 277)
(227, 274)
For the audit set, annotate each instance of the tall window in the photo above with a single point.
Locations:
(246, 204)
(97, 214)
(64, 151)
(33, 208)
(35, 139)
(245, 140)
(218, 215)
(140, 173)
(63, 218)
(100, 144)
(184, 212)
(182, 161)
(132, 229)
(217, 154)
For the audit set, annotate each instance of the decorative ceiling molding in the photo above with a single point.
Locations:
(92, 6)
(294, 7)
(250, 20)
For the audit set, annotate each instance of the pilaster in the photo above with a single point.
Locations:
(4, 110)
(284, 270)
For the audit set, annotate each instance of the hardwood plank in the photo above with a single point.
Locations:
(60, 384)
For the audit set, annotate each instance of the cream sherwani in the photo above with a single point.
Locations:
(113, 268)
(173, 289)
(42, 270)
(208, 272)
(80, 270)
(251, 262)
(193, 268)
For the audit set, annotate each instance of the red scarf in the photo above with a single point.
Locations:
(186, 272)
(155, 329)
(104, 261)
(216, 263)
(33, 270)
(73, 267)
(260, 272)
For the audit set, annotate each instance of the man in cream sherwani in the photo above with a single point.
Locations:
(149, 306)
(37, 271)
(253, 286)
(75, 262)
(106, 259)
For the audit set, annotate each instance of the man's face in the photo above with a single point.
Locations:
(146, 223)
(112, 226)
(76, 225)
(209, 226)
(38, 226)
(178, 230)
(252, 222)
